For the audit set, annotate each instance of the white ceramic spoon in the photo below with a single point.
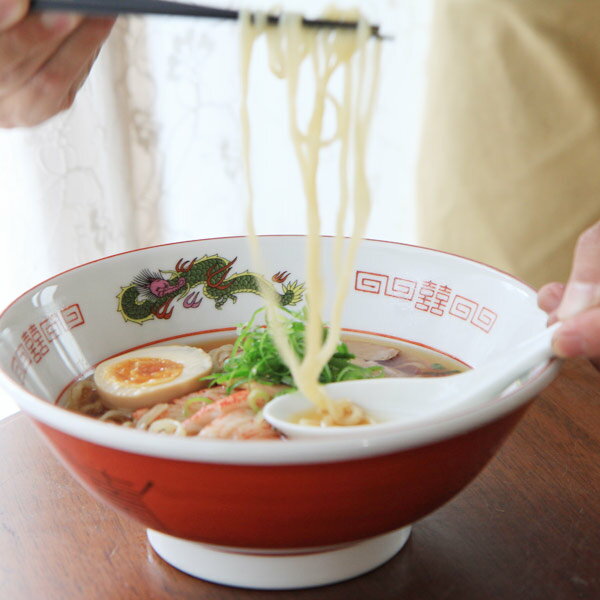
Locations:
(396, 402)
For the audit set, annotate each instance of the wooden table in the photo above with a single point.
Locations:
(527, 528)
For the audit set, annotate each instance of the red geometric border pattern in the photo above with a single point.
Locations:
(463, 308)
(428, 296)
(36, 337)
(403, 289)
(371, 283)
(485, 319)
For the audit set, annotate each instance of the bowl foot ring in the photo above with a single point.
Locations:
(277, 569)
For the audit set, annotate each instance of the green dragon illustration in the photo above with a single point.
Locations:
(152, 293)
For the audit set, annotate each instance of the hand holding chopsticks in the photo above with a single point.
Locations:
(48, 47)
(165, 7)
(44, 59)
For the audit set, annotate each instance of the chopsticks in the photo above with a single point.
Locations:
(164, 7)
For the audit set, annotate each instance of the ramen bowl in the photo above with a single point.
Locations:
(268, 514)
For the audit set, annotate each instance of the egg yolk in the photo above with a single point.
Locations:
(145, 371)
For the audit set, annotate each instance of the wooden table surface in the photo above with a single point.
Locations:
(527, 528)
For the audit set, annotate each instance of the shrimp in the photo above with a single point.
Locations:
(209, 412)
(179, 408)
(213, 394)
(226, 417)
(240, 424)
(229, 418)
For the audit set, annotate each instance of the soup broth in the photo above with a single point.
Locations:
(403, 359)
(219, 412)
(398, 359)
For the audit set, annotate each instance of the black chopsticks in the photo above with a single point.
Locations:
(163, 7)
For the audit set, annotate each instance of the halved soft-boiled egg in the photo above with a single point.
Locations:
(147, 376)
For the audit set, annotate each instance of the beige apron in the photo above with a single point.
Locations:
(509, 172)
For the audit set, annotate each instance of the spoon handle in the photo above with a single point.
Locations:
(493, 378)
(532, 352)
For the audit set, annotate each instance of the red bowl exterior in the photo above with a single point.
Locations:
(282, 506)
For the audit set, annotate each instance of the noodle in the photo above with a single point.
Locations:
(117, 415)
(290, 45)
(153, 413)
(168, 426)
(81, 397)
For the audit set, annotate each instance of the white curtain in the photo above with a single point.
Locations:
(150, 151)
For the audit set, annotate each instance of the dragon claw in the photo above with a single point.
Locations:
(280, 277)
(164, 311)
(185, 266)
(223, 272)
(192, 301)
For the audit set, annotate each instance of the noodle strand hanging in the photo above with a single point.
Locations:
(327, 51)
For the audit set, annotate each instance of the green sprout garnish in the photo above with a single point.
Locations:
(194, 400)
(254, 357)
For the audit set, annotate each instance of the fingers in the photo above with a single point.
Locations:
(580, 336)
(583, 289)
(550, 295)
(44, 59)
(11, 12)
(54, 84)
(577, 304)
(27, 46)
(586, 266)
